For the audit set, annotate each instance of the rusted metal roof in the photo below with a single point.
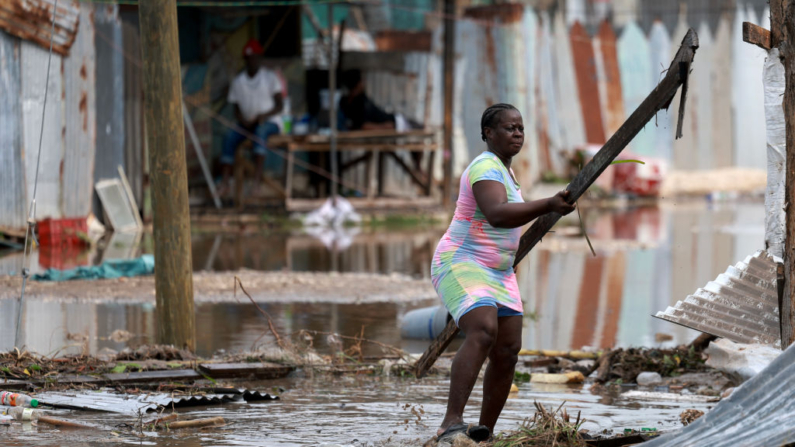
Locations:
(740, 304)
(32, 20)
(132, 404)
(585, 72)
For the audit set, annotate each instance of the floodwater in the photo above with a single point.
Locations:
(371, 410)
(646, 259)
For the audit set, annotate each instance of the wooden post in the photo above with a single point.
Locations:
(660, 98)
(449, 71)
(782, 23)
(166, 139)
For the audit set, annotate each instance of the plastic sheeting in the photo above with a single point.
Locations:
(117, 268)
(776, 154)
(758, 413)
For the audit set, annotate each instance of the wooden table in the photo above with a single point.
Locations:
(375, 143)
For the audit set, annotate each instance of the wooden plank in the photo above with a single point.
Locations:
(355, 161)
(660, 98)
(782, 19)
(756, 35)
(153, 376)
(416, 176)
(262, 370)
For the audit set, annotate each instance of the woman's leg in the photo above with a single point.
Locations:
(499, 373)
(480, 327)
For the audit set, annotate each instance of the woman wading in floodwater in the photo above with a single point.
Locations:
(472, 271)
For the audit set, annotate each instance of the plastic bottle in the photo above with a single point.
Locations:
(287, 118)
(23, 414)
(17, 400)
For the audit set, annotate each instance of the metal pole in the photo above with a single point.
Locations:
(200, 155)
(166, 138)
(449, 70)
(332, 92)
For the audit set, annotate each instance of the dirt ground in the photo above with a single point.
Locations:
(345, 288)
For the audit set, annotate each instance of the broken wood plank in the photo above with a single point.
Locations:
(660, 98)
(153, 376)
(757, 35)
(417, 176)
(196, 423)
(235, 370)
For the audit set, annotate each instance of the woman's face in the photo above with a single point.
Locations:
(506, 138)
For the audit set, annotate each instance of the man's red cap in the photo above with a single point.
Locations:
(252, 47)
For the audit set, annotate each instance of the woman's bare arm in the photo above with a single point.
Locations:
(492, 200)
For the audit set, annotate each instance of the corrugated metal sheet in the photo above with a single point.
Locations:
(758, 413)
(614, 104)
(547, 126)
(31, 20)
(702, 95)
(740, 305)
(81, 123)
(527, 52)
(34, 74)
(587, 85)
(133, 404)
(13, 207)
(110, 96)
(634, 62)
(748, 95)
(572, 129)
(660, 51)
(134, 125)
(685, 149)
(722, 140)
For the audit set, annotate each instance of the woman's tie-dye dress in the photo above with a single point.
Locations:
(473, 263)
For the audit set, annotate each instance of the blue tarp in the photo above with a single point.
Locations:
(116, 268)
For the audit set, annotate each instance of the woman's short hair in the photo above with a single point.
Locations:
(490, 116)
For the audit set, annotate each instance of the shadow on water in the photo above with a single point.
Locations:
(647, 259)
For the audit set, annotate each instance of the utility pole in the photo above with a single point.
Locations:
(166, 138)
(781, 36)
(449, 78)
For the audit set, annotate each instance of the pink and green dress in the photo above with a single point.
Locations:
(473, 263)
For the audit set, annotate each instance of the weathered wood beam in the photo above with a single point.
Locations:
(417, 177)
(756, 35)
(785, 18)
(660, 98)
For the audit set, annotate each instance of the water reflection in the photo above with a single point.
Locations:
(647, 259)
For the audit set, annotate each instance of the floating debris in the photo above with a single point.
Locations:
(133, 404)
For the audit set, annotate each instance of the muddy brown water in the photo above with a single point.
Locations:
(348, 410)
(647, 259)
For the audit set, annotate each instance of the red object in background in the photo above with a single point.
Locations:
(59, 232)
(63, 257)
(642, 180)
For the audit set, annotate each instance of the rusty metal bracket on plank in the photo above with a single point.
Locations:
(660, 98)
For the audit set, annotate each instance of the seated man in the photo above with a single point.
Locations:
(362, 114)
(257, 95)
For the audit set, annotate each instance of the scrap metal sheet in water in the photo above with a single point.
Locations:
(133, 404)
(758, 413)
(740, 304)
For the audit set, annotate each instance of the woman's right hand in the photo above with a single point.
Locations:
(558, 203)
